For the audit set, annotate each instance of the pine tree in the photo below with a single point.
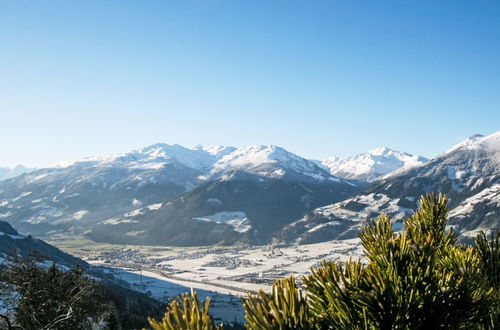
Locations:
(52, 298)
(418, 279)
(187, 314)
(489, 253)
(285, 308)
(111, 320)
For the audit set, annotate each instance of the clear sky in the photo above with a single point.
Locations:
(320, 78)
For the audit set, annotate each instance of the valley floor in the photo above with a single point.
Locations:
(223, 273)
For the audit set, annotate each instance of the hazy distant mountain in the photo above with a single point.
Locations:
(7, 172)
(469, 174)
(73, 197)
(372, 165)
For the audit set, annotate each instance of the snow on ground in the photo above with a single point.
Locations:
(321, 225)
(491, 194)
(238, 220)
(116, 221)
(224, 273)
(78, 215)
(128, 217)
(371, 203)
(228, 270)
(153, 207)
(32, 179)
(45, 213)
(12, 236)
(24, 194)
(223, 306)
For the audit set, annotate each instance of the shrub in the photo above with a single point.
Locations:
(284, 308)
(417, 279)
(189, 316)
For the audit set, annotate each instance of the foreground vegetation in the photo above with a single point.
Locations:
(34, 297)
(420, 278)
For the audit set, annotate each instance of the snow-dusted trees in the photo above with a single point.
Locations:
(51, 298)
(36, 297)
(9, 299)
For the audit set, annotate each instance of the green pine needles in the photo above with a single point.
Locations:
(189, 316)
(420, 278)
(284, 308)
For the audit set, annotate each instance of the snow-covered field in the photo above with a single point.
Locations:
(230, 270)
(225, 307)
(223, 273)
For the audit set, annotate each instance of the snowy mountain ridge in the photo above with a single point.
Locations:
(77, 195)
(199, 157)
(372, 165)
(269, 161)
(170, 194)
(212, 162)
(490, 143)
(468, 173)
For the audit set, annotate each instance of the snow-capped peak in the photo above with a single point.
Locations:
(255, 155)
(218, 151)
(382, 151)
(261, 160)
(166, 153)
(490, 143)
(270, 161)
(371, 165)
(387, 152)
(199, 157)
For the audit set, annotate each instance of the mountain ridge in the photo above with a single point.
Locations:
(170, 194)
(469, 173)
(371, 165)
(74, 196)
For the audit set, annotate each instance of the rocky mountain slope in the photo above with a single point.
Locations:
(469, 174)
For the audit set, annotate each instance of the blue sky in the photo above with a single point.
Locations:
(320, 78)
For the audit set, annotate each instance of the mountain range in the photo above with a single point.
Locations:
(468, 173)
(172, 195)
(74, 197)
